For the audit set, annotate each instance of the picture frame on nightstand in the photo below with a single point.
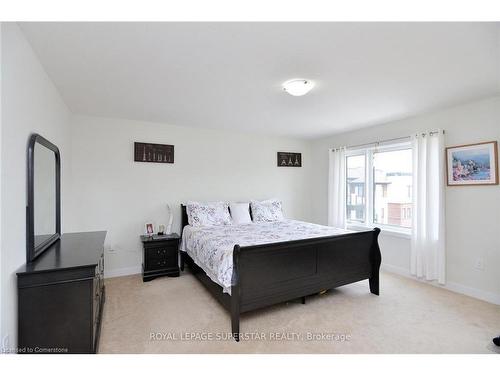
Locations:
(149, 229)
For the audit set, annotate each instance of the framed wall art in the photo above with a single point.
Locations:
(473, 164)
(289, 159)
(153, 153)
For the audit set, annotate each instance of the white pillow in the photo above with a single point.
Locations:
(269, 210)
(240, 213)
(211, 213)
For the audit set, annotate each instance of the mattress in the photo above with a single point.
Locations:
(211, 247)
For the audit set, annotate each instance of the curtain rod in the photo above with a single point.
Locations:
(408, 137)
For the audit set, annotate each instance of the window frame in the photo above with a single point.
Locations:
(369, 222)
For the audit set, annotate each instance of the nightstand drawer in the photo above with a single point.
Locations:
(161, 251)
(157, 264)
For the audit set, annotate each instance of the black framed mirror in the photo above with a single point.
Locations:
(43, 212)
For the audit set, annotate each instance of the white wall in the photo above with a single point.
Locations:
(2, 303)
(472, 212)
(114, 193)
(30, 103)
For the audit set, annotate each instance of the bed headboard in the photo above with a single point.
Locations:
(184, 217)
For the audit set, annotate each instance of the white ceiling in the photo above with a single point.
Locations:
(228, 75)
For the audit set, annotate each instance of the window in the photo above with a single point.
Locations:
(379, 186)
(356, 187)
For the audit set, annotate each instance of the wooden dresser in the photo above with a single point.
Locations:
(61, 296)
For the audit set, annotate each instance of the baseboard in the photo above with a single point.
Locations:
(122, 272)
(454, 287)
(397, 270)
(473, 292)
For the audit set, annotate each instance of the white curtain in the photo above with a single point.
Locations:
(428, 231)
(336, 188)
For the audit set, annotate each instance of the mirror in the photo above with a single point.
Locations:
(43, 210)
(44, 194)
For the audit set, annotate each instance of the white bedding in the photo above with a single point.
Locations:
(211, 247)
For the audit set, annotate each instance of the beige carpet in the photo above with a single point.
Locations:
(408, 317)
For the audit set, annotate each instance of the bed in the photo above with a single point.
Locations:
(250, 266)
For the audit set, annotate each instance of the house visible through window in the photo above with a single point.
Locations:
(379, 186)
(356, 196)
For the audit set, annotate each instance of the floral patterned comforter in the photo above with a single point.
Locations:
(211, 247)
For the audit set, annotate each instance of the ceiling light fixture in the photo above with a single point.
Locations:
(298, 87)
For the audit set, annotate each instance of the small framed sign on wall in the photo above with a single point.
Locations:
(289, 159)
(153, 153)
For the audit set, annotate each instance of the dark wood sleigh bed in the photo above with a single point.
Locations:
(268, 274)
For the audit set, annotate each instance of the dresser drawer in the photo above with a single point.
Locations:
(97, 294)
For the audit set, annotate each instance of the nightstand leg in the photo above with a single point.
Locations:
(182, 260)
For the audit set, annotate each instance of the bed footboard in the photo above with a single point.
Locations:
(264, 275)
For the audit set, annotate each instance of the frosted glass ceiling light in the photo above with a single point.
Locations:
(298, 87)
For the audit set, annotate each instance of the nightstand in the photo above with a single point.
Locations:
(160, 256)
